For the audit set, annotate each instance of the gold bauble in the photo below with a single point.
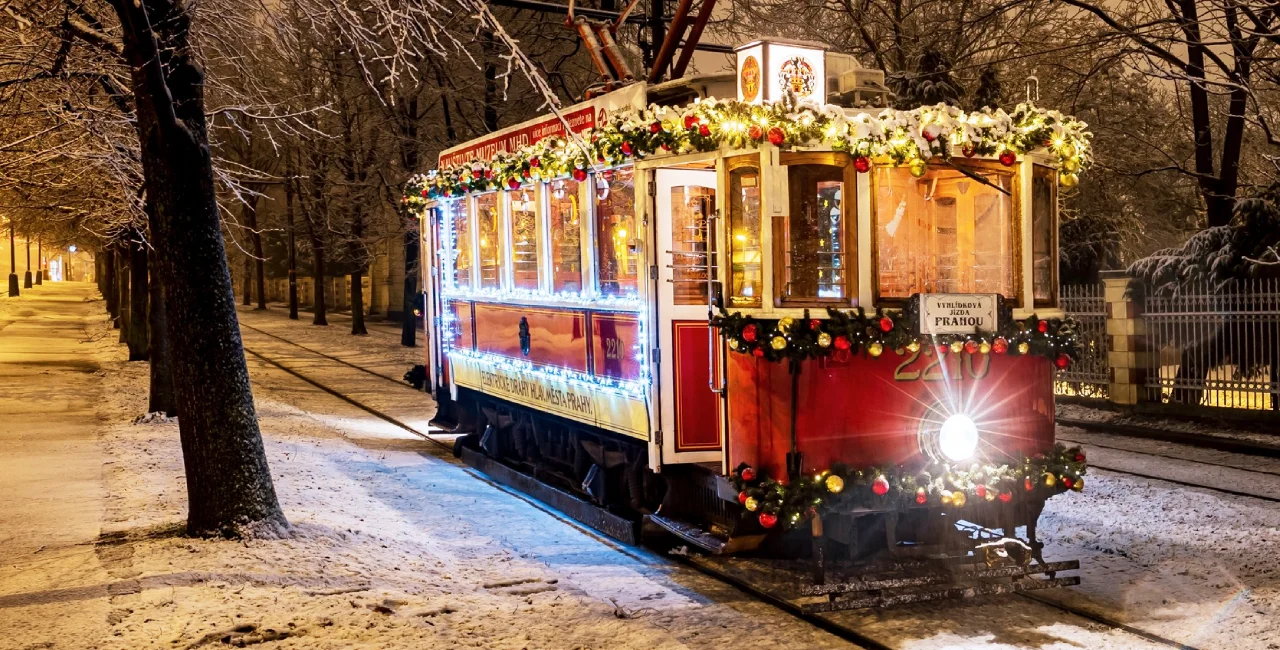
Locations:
(958, 499)
(1024, 347)
(918, 167)
(1050, 480)
(824, 340)
(990, 495)
(834, 484)
(1071, 165)
(778, 343)
(1078, 486)
(947, 495)
(913, 347)
(733, 344)
(875, 349)
(957, 347)
(1068, 180)
(751, 504)
(785, 324)
(984, 347)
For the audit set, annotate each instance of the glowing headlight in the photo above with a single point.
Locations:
(958, 437)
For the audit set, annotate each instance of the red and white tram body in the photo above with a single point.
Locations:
(660, 330)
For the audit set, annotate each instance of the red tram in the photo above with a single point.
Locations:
(794, 322)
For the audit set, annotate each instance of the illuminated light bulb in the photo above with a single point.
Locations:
(958, 437)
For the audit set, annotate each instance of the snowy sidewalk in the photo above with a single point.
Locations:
(396, 545)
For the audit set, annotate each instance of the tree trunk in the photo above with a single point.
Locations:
(259, 262)
(229, 486)
(317, 281)
(408, 319)
(357, 302)
(109, 290)
(122, 293)
(138, 296)
(248, 280)
(293, 244)
(162, 397)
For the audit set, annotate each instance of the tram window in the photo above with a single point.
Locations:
(457, 244)
(746, 272)
(566, 236)
(690, 205)
(487, 229)
(524, 237)
(619, 248)
(944, 232)
(1044, 203)
(813, 237)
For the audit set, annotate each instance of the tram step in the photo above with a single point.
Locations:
(702, 539)
(948, 585)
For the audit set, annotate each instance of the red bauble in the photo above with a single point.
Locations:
(969, 151)
(513, 183)
(742, 496)
(755, 132)
(842, 342)
(862, 164)
(690, 121)
(971, 346)
(534, 162)
(1067, 482)
(1080, 457)
(759, 352)
(777, 136)
(748, 474)
(488, 174)
(886, 324)
(880, 486)
(655, 127)
(1042, 326)
(815, 324)
(424, 194)
(1005, 497)
(1000, 345)
(1062, 362)
(768, 520)
(626, 149)
(922, 497)
(1029, 484)
(448, 192)
(981, 491)
(579, 175)
(1007, 158)
(704, 130)
(928, 134)
(749, 333)
(524, 173)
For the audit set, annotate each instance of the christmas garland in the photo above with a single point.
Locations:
(841, 488)
(893, 136)
(845, 333)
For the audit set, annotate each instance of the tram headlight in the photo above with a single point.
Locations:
(958, 437)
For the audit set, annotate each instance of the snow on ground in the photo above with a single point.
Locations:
(1256, 432)
(395, 544)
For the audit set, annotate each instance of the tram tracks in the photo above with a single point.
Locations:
(781, 602)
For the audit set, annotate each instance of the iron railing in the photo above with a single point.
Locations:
(1088, 375)
(1216, 346)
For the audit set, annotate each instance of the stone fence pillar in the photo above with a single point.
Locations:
(1128, 358)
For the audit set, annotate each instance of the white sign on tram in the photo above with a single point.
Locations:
(957, 313)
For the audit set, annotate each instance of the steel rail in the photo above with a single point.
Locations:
(398, 382)
(1168, 456)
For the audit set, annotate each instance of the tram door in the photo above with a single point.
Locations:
(684, 202)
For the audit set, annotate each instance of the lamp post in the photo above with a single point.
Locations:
(40, 259)
(26, 280)
(13, 264)
(70, 258)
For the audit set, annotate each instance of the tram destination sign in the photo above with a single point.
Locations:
(957, 313)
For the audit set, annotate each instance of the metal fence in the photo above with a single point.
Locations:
(1088, 375)
(1217, 347)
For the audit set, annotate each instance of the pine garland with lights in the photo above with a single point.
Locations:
(845, 333)
(842, 488)
(910, 137)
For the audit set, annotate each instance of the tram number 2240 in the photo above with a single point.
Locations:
(926, 365)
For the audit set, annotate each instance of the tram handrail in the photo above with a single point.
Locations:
(712, 334)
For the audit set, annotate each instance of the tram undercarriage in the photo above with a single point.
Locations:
(842, 561)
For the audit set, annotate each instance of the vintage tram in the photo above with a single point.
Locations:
(793, 323)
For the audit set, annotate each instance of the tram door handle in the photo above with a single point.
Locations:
(713, 299)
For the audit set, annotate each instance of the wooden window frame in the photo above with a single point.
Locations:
(593, 195)
(778, 223)
(539, 219)
(1015, 231)
(1054, 260)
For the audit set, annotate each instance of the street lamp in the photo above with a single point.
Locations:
(26, 280)
(72, 256)
(13, 264)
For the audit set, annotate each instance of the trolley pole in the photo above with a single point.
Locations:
(13, 264)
